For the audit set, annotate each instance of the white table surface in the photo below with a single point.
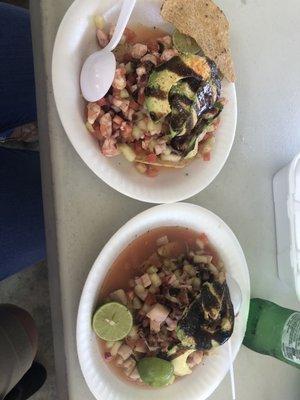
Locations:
(82, 212)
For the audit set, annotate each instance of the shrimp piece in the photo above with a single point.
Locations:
(106, 125)
(166, 41)
(119, 81)
(109, 148)
(168, 54)
(122, 104)
(149, 57)
(160, 148)
(139, 50)
(102, 38)
(129, 114)
(140, 71)
(93, 112)
(126, 131)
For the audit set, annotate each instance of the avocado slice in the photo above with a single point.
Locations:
(166, 75)
(209, 320)
(180, 365)
(182, 97)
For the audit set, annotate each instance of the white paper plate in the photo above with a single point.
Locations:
(205, 378)
(74, 42)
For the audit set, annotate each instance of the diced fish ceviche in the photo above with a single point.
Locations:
(163, 106)
(180, 310)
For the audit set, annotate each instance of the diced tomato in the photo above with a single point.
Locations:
(203, 238)
(206, 156)
(138, 147)
(152, 45)
(126, 131)
(207, 136)
(127, 57)
(134, 105)
(152, 171)
(115, 127)
(150, 299)
(130, 35)
(141, 97)
(116, 92)
(121, 71)
(151, 158)
(118, 120)
(131, 79)
(97, 133)
(102, 102)
(130, 294)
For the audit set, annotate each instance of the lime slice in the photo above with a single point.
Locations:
(112, 322)
(184, 43)
(155, 371)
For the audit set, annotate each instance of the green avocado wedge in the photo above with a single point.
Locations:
(166, 75)
(184, 43)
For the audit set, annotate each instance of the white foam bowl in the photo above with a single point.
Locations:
(205, 378)
(74, 42)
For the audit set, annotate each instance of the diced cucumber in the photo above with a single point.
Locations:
(127, 152)
(196, 283)
(99, 21)
(202, 259)
(190, 270)
(170, 157)
(154, 128)
(142, 124)
(124, 94)
(115, 348)
(89, 127)
(155, 279)
(137, 132)
(141, 168)
(129, 67)
(141, 292)
(152, 270)
(136, 303)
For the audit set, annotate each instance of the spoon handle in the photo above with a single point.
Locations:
(123, 19)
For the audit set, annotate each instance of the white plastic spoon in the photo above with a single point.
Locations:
(98, 70)
(236, 299)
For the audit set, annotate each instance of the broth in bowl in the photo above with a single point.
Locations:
(164, 307)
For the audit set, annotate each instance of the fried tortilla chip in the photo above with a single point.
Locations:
(207, 24)
(160, 163)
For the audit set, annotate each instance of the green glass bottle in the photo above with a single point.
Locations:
(274, 330)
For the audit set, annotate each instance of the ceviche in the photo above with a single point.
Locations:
(163, 107)
(165, 306)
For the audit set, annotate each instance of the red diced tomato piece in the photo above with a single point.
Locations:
(141, 98)
(150, 299)
(206, 156)
(130, 294)
(152, 171)
(151, 158)
(102, 102)
(116, 92)
(134, 105)
(138, 149)
(203, 238)
(127, 57)
(207, 136)
(131, 79)
(130, 35)
(152, 45)
(117, 120)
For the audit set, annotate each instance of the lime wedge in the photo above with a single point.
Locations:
(184, 43)
(155, 372)
(112, 322)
